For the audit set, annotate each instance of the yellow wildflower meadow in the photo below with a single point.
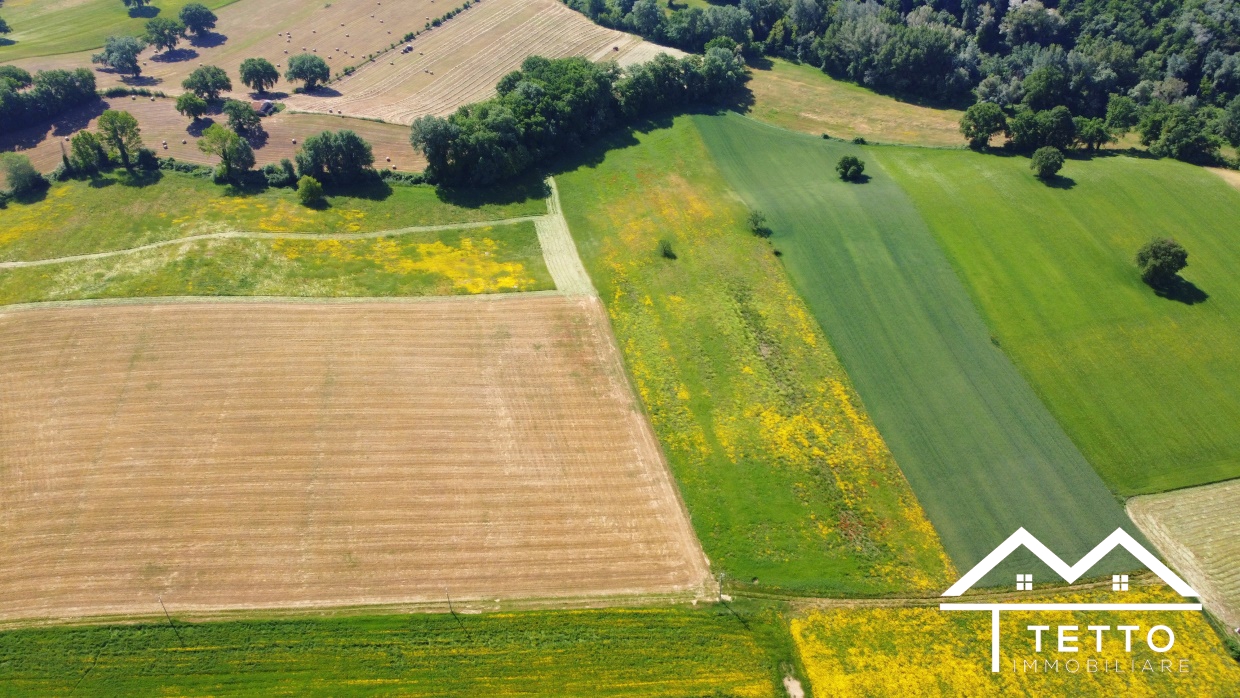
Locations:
(915, 652)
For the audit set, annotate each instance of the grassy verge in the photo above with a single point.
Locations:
(928, 652)
(643, 652)
(787, 482)
(116, 211)
(1148, 387)
(982, 453)
(478, 260)
(803, 98)
(47, 28)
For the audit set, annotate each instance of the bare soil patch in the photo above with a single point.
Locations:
(279, 455)
(1197, 530)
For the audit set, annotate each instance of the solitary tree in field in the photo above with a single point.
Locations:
(207, 82)
(850, 168)
(119, 131)
(1046, 162)
(164, 33)
(234, 152)
(308, 68)
(1160, 260)
(757, 224)
(4, 26)
(197, 18)
(191, 105)
(259, 74)
(120, 53)
(981, 122)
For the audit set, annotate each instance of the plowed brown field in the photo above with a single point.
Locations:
(251, 455)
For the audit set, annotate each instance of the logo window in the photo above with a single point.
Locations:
(1119, 582)
(1024, 582)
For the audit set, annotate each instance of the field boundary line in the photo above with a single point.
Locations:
(245, 234)
(272, 300)
(560, 251)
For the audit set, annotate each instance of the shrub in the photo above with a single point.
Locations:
(981, 122)
(1046, 162)
(280, 175)
(23, 178)
(87, 153)
(850, 168)
(665, 249)
(309, 192)
(757, 224)
(1160, 260)
(859, 140)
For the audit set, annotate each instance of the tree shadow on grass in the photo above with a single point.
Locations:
(524, 188)
(372, 189)
(140, 178)
(1181, 290)
(144, 12)
(98, 181)
(140, 80)
(1059, 182)
(197, 126)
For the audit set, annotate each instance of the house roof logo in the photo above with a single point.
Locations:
(1070, 573)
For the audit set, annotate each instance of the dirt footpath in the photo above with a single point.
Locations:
(277, 455)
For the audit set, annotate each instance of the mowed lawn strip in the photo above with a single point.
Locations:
(787, 482)
(42, 28)
(982, 453)
(491, 259)
(641, 652)
(1147, 387)
(119, 211)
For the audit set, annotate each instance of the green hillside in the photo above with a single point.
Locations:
(1147, 387)
(982, 453)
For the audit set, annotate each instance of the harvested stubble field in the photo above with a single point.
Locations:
(1198, 531)
(461, 61)
(225, 455)
(161, 124)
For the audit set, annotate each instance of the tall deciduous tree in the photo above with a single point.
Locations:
(208, 82)
(309, 69)
(197, 18)
(119, 131)
(191, 105)
(120, 53)
(981, 122)
(87, 153)
(234, 152)
(164, 33)
(259, 74)
(1160, 260)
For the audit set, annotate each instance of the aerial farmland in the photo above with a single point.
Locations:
(619, 348)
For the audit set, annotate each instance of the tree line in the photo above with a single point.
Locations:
(27, 100)
(1177, 60)
(550, 106)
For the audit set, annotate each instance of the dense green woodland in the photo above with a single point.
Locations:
(1176, 59)
(26, 100)
(550, 106)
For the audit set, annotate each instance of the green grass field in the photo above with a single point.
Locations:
(112, 212)
(981, 451)
(656, 652)
(1147, 387)
(43, 28)
(477, 260)
(786, 480)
